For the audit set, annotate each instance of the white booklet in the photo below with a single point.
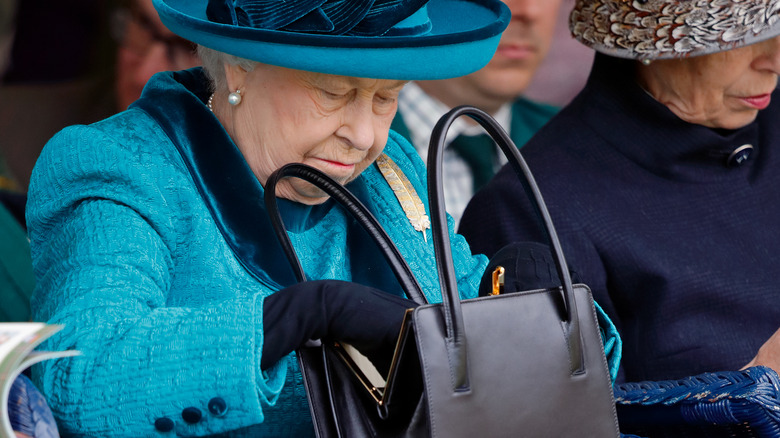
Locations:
(17, 344)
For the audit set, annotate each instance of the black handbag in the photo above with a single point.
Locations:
(519, 363)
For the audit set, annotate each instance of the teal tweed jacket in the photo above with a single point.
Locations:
(150, 243)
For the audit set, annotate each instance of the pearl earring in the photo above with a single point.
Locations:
(646, 61)
(234, 98)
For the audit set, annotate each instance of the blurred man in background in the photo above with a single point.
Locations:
(65, 63)
(471, 158)
(76, 62)
(146, 47)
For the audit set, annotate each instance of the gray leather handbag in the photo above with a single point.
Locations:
(515, 364)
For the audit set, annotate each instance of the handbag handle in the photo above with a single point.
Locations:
(453, 315)
(353, 205)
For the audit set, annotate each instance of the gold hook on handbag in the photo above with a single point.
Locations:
(498, 280)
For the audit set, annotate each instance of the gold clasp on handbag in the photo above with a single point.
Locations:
(498, 280)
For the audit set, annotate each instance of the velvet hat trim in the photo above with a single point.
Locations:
(662, 29)
(383, 39)
(332, 17)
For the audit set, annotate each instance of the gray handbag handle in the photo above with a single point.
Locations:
(453, 315)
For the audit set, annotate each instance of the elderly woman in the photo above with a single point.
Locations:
(151, 243)
(662, 178)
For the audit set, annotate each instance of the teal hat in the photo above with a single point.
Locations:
(382, 39)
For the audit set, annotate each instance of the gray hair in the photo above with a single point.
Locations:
(214, 65)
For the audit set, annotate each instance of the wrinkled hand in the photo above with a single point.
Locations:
(769, 354)
(367, 318)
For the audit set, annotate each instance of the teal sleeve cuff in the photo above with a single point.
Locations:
(613, 345)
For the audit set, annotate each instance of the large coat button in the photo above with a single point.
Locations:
(740, 155)
(217, 406)
(163, 424)
(191, 415)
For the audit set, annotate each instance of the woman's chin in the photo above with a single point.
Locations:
(310, 200)
(728, 120)
(307, 195)
(736, 121)
(303, 192)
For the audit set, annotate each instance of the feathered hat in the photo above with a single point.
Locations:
(383, 39)
(661, 29)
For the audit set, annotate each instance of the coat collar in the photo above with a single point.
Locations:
(234, 196)
(648, 133)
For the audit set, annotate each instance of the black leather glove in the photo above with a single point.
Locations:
(367, 318)
(528, 265)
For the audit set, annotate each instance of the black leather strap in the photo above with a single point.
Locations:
(347, 200)
(456, 336)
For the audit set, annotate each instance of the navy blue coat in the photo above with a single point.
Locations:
(680, 246)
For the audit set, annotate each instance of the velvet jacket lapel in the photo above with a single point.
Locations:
(233, 195)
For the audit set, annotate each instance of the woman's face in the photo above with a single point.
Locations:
(337, 124)
(722, 90)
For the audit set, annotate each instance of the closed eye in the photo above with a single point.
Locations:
(385, 99)
(385, 104)
(333, 95)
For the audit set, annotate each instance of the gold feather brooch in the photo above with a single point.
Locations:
(404, 191)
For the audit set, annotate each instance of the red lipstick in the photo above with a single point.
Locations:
(760, 101)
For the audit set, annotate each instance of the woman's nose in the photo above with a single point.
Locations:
(357, 127)
(769, 58)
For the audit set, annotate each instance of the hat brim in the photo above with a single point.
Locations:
(463, 39)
